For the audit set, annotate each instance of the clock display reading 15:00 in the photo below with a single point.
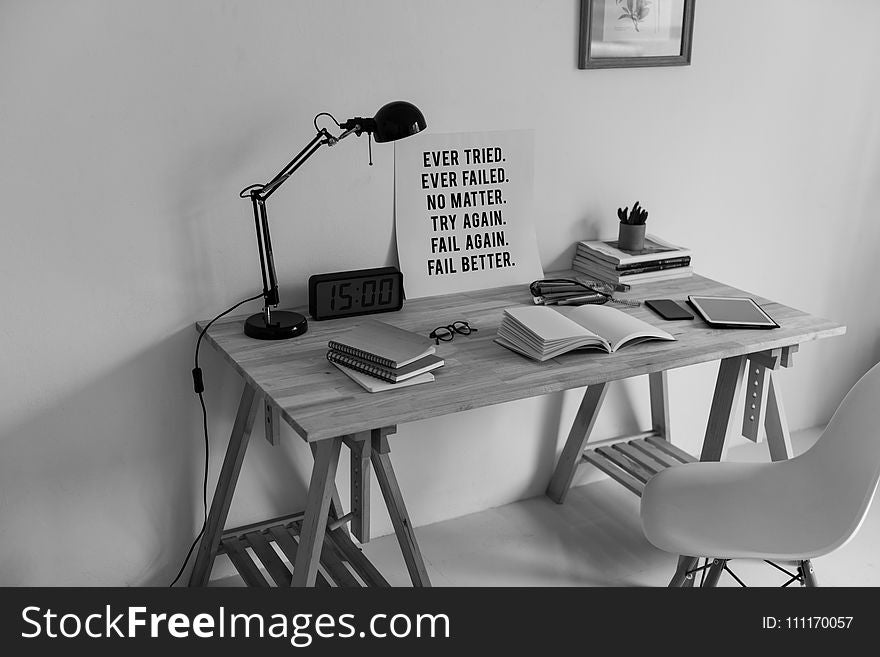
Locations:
(361, 295)
(342, 294)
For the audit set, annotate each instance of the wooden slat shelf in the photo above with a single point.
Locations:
(633, 462)
(251, 551)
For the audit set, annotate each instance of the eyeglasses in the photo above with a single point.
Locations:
(568, 291)
(447, 333)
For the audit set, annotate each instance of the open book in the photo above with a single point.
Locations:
(543, 332)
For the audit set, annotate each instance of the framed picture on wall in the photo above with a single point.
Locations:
(629, 33)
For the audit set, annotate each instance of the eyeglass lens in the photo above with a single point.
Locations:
(447, 333)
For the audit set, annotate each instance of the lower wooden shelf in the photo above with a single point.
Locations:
(342, 564)
(633, 462)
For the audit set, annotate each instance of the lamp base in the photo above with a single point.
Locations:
(284, 325)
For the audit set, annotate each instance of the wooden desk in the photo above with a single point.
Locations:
(292, 381)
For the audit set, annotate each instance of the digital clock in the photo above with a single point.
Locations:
(360, 292)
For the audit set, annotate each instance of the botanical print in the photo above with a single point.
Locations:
(636, 20)
(634, 10)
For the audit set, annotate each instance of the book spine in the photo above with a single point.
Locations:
(654, 265)
(347, 361)
(359, 353)
(628, 270)
(647, 277)
(656, 276)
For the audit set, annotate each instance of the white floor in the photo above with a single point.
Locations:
(594, 539)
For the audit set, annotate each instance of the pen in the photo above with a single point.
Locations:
(577, 301)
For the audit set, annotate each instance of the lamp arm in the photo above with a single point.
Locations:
(258, 195)
(264, 192)
(323, 137)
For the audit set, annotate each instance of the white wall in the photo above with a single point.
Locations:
(128, 128)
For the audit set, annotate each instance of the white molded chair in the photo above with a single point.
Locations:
(791, 510)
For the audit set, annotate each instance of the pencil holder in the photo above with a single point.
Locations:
(631, 237)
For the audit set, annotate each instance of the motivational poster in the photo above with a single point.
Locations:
(463, 211)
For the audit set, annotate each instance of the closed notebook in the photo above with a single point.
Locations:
(392, 374)
(542, 332)
(383, 343)
(372, 384)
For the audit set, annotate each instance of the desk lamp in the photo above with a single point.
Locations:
(393, 121)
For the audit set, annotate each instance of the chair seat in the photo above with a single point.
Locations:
(793, 510)
(742, 510)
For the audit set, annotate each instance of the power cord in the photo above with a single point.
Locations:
(199, 388)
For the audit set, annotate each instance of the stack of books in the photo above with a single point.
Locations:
(657, 261)
(379, 356)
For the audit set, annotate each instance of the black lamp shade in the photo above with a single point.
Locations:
(397, 120)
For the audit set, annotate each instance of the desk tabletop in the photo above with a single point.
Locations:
(320, 402)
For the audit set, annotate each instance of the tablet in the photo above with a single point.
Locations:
(731, 312)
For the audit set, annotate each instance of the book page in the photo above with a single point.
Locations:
(541, 333)
(548, 325)
(616, 326)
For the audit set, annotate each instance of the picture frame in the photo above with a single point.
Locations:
(635, 33)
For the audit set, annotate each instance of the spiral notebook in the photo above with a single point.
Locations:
(373, 384)
(390, 374)
(383, 343)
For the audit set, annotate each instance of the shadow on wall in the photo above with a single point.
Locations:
(591, 226)
(205, 194)
(103, 486)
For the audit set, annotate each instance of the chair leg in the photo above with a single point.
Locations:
(684, 576)
(808, 576)
(714, 572)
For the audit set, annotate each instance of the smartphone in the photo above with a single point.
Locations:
(669, 309)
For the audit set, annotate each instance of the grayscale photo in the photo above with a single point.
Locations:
(542, 305)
